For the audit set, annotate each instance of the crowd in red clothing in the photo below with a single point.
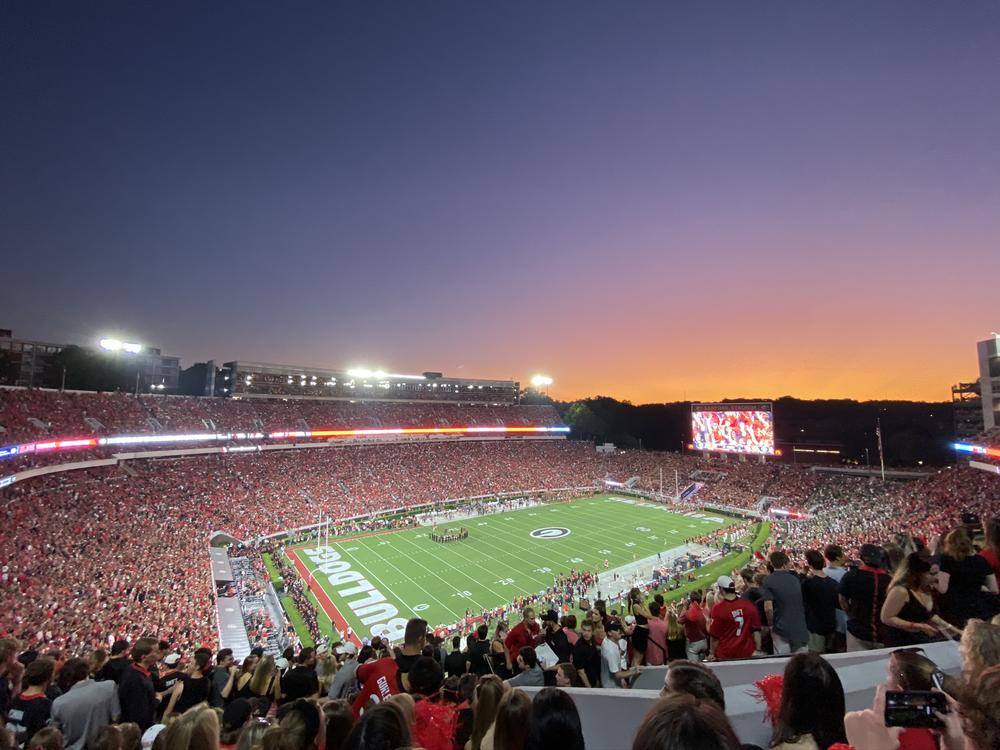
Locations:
(118, 551)
(32, 414)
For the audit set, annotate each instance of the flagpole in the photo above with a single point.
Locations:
(881, 455)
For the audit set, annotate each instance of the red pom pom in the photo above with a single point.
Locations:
(434, 725)
(840, 746)
(768, 692)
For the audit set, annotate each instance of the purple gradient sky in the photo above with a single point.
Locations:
(647, 200)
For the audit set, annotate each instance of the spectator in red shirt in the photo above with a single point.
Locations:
(525, 634)
(656, 652)
(695, 628)
(735, 624)
(991, 552)
(388, 676)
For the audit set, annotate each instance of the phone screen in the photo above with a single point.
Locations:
(914, 709)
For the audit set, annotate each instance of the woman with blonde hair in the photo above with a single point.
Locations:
(252, 735)
(979, 648)
(964, 576)
(489, 692)
(195, 729)
(265, 682)
(676, 643)
(499, 654)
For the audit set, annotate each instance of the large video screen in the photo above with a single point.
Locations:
(733, 428)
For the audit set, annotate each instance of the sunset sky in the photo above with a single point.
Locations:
(654, 201)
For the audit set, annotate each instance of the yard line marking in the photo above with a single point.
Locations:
(462, 572)
(413, 559)
(413, 580)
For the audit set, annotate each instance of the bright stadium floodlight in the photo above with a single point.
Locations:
(541, 380)
(116, 345)
(363, 373)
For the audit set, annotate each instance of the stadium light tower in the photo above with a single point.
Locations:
(541, 381)
(117, 346)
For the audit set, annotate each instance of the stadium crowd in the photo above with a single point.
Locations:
(34, 414)
(421, 694)
(89, 545)
(108, 556)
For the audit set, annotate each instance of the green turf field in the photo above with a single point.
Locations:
(365, 578)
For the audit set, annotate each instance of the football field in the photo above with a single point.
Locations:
(375, 582)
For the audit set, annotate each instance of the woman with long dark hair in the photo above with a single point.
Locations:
(382, 727)
(510, 730)
(681, 722)
(640, 635)
(908, 669)
(555, 722)
(909, 612)
(812, 710)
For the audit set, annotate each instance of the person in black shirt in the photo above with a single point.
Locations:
(193, 687)
(820, 599)
(223, 678)
(166, 680)
(136, 693)
(862, 594)
(963, 576)
(454, 663)
(115, 667)
(30, 711)
(479, 649)
(587, 656)
(555, 637)
(301, 681)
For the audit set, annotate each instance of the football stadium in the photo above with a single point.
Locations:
(301, 535)
(499, 376)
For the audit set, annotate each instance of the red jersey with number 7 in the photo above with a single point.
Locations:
(733, 624)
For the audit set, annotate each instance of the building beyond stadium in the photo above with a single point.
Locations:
(260, 380)
(989, 381)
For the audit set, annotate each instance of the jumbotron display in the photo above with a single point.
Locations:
(733, 428)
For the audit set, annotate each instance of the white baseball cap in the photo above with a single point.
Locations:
(726, 583)
(150, 734)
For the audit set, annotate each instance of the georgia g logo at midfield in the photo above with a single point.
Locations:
(550, 532)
